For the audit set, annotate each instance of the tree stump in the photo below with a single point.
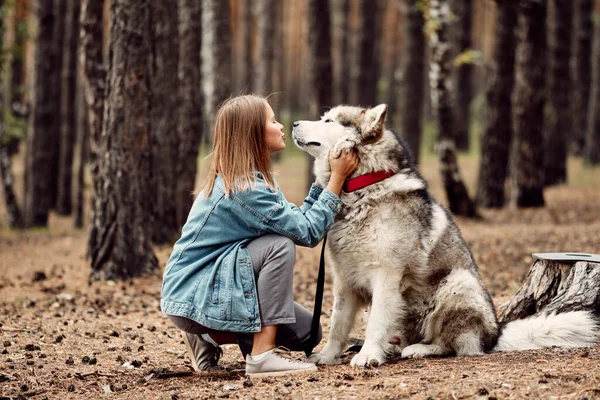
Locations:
(555, 287)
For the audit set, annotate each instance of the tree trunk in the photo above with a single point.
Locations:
(68, 125)
(248, 46)
(527, 162)
(497, 129)
(555, 287)
(58, 37)
(583, 33)
(18, 55)
(591, 154)
(165, 104)
(558, 122)
(94, 83)
(42, 136)
(319, 43)
(458, 198)
(462, 75)
(217, 55)
(190, 128)
(123, 248)
(83, 137)
(364, 85)
(342, 66)
(265, 19)
(413, 77)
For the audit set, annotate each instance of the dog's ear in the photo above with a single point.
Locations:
(374, 123)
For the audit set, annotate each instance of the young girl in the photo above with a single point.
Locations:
(229, 277)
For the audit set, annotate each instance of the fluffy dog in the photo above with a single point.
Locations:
(396, 249)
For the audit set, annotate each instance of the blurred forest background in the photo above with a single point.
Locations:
(107, 106)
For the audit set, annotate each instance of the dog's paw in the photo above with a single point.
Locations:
(421, 350)
(366, 358)
(324, 358)
(343, 146)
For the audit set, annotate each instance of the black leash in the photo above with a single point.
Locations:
(314, 327)
(356, 344)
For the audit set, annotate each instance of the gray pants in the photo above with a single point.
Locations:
(273, 258)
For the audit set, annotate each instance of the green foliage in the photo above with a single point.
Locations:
(468, 56)
(14, 128)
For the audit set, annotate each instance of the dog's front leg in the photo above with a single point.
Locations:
(345, 306)
(386, 309)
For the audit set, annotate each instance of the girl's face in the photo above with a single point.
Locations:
(274, 135)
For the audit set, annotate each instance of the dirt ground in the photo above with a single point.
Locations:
(62, 338)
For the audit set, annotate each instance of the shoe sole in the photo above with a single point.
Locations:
(190, 352)
(282, 373)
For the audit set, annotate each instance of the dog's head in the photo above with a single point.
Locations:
(340, 124)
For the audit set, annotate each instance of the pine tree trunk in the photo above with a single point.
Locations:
(248, 46)
(18, 55)
(125, 222)
(42, 136)
(190, 128)
(83, 138)
(462, 75)
(94, 84)
(15, 217)
(218, 55)
(265, 20)
(555, 287)
(583, 33)
(341, 9)
(527, 163)
(591, 154)
(58, 36)
(68, 125)
(440, 67)
(558, 122)
(164, 116)
(364, 87)
(497, 130)
(413, 78)
(319, 43)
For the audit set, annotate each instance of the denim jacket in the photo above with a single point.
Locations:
(209, 276)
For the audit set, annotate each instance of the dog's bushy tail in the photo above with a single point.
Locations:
(570, 329)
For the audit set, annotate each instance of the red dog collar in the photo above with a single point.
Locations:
(365, 180)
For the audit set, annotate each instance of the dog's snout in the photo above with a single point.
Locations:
(295, 124)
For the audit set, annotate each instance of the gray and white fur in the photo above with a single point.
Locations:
(398, 251)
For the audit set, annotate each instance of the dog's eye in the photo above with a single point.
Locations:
(346, 123)
(328, 120)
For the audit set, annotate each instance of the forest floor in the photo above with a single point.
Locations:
(61, 337)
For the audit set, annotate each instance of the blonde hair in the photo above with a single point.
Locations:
(239, 145)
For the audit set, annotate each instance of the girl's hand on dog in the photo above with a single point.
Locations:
(341, 168)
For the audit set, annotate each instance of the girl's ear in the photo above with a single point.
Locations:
(374, 123)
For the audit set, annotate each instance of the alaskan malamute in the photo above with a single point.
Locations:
(396, 249)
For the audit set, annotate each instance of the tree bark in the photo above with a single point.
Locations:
(558, 114)
(68, 125)
(94, 84)
(583, 33)
(58, 36)
(248, 46)
(462, 75)
(497, 129)
(319, 43)
(83, 138)
(527, 162)
(364, 87)
(217, 53)
(164, 118)
(40, 178)
(555, 287)
(265, 19)
(123, 248)
(413, 78)
(440, 66)
(18, 55)
(190, 128)
(591, 154)
(343, 62)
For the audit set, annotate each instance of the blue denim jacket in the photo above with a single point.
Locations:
(209, 277)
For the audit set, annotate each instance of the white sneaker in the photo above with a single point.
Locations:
(277, 362)
(203, 355)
